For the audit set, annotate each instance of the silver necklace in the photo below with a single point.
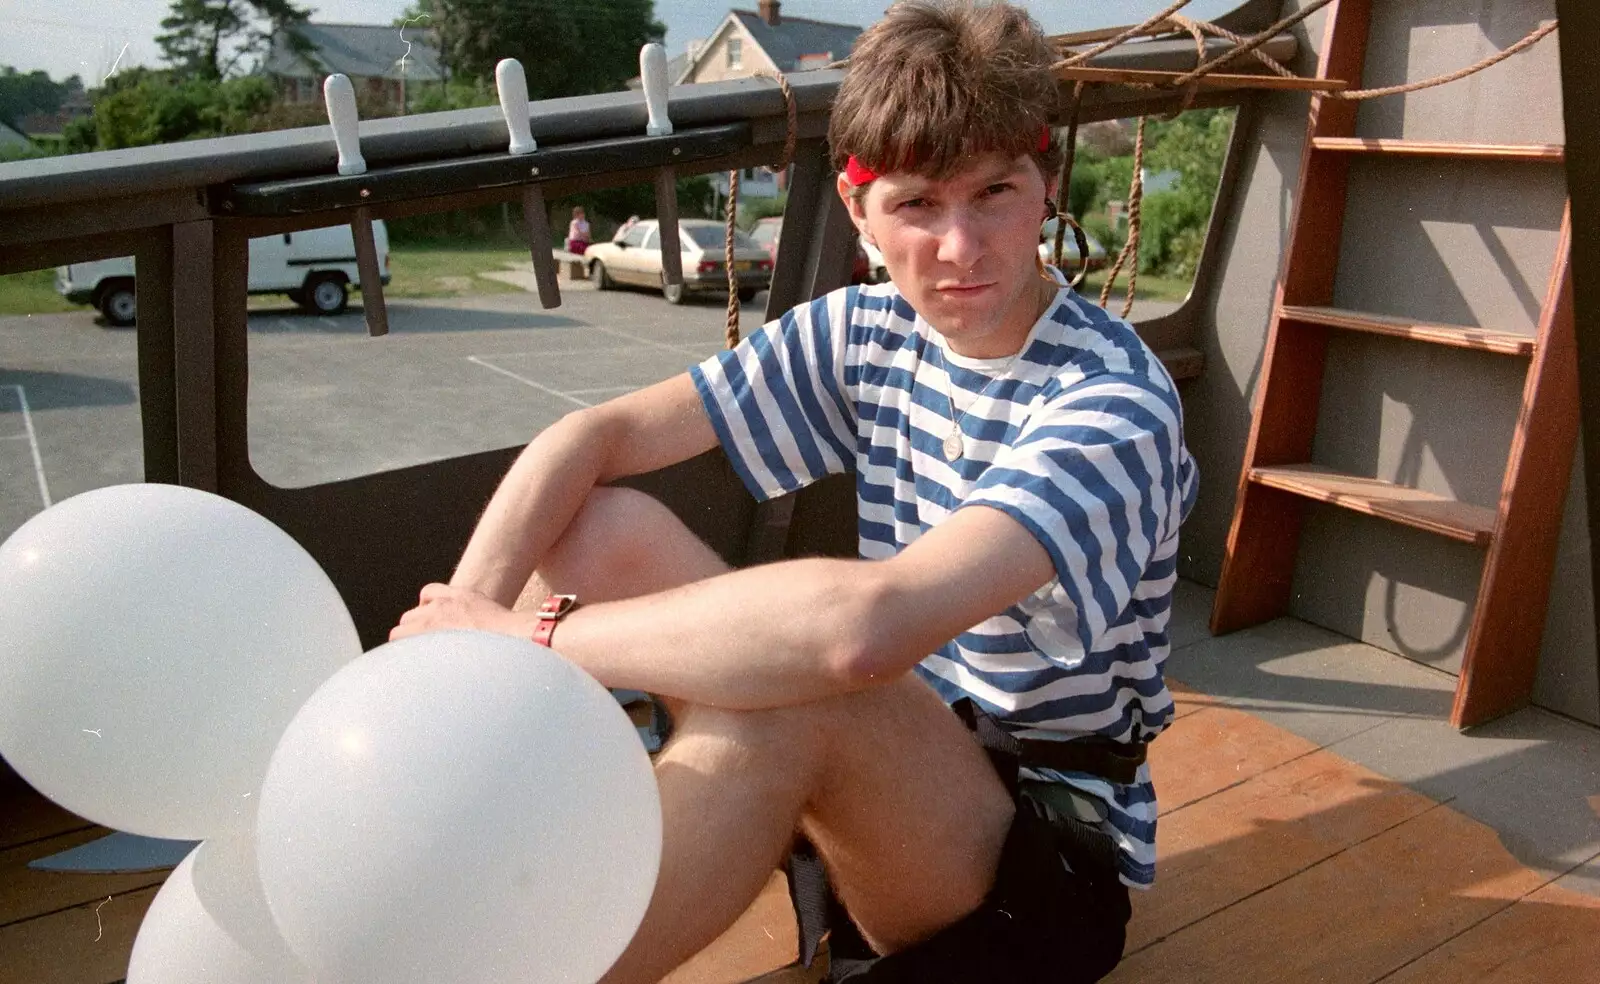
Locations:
(955, 445)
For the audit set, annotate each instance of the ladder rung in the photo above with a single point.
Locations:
(1386, 500)
(1478, 339)
(1552, 153)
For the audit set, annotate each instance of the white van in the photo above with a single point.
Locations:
(315, 267)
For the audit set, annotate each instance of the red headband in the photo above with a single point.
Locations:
(859, 174)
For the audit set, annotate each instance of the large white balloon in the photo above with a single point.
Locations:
(210, 924)
(154, 643)
(461, 807)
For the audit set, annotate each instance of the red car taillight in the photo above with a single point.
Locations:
(708, 266)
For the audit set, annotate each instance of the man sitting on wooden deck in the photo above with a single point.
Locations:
(1021, 478)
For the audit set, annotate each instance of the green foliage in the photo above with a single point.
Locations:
(206, 39)
(567, 48)
(434, 97)
(22, 94)
(1174, 221)
(753, 210)
(144, 107)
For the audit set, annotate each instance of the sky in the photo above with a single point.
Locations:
(93, 38)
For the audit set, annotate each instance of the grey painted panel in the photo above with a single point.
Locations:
(1435, 418)
(1569, 667)
(1387, 585)
(1461, 243)
(1517, 101)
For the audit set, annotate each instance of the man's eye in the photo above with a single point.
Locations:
(914, 203)
(997, 188)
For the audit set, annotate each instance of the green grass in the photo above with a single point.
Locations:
(1149, 288)
(415, 271)
(449, 270)
(33, 292)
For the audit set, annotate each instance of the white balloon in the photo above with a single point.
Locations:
(459, 806)
(154, 643)
(210, 924)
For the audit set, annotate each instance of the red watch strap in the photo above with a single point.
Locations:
(552, 610)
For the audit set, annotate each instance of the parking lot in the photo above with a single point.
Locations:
(454, 376)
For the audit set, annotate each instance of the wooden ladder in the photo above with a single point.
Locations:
(1278, 478)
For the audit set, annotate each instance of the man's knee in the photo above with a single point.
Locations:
(620, 543)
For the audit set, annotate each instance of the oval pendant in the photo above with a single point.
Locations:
(953, 447)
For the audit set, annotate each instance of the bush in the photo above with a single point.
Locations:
(753, 210)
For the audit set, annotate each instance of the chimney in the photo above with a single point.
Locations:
(769, 11)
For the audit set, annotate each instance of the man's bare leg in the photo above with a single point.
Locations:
(901, 802)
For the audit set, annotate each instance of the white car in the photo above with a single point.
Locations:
(1069, 249)
(636, 259)
(315, 267)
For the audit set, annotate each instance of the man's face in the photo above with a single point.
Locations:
(962, 250)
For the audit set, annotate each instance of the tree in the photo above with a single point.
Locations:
(206, 39)
(566, 48)
(35, 92)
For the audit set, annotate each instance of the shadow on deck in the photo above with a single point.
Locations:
(1320, 821)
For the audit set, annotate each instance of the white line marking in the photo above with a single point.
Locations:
(14, 437)
(527, 382)
(33, 442)
(328, 322)
(619, 333)
(287, 324)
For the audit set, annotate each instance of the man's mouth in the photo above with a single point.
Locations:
(962, 290)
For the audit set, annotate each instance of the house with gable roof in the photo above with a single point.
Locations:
(763, 40)
(380, 62)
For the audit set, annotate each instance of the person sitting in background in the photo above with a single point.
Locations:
(578, 232)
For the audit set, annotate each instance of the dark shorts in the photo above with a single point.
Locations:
(1041, 923)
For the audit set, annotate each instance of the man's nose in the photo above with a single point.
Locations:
(960, 241)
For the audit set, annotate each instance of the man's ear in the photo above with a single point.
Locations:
(852, 204)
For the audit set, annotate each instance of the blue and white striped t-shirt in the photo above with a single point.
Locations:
(1079, 438)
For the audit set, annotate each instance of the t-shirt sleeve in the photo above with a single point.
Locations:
(1100, 477)
(777, 399)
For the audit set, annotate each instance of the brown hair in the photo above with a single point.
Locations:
(936, 82)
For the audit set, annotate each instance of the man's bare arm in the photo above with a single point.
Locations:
(797, 631)
(536, 501)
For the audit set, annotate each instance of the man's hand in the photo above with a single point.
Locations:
(445, 607)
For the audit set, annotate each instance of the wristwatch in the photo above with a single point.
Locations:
(552, 610)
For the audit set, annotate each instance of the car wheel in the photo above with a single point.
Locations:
(748, 294)
(601, 276)
(327, 295)
(674, 293)
(119, 305)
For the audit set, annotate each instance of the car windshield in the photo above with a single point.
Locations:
(710, 237)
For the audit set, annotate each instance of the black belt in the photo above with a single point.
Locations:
(1113, 761)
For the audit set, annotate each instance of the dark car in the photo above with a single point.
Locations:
(766, 235)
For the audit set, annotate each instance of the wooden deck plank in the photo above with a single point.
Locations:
(1362, 914)
(1210, 750)
(26, 893)
(26, 816)
(1248, 838)
(78, 946)
(1550, 935)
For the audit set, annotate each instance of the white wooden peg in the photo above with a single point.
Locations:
(653, 73)
(512, 82)
(340, 97)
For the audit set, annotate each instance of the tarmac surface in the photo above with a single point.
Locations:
(455, 376)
